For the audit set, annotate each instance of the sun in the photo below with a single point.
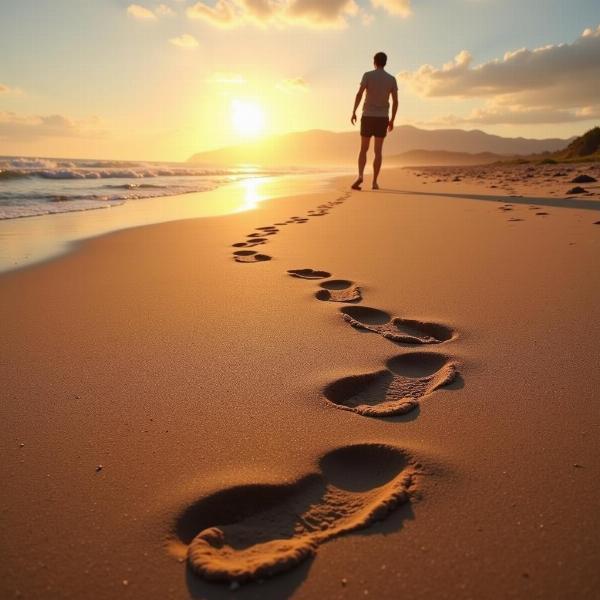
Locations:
(247, 118)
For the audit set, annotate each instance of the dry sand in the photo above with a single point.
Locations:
(172, 394)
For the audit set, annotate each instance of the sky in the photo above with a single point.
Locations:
(152, 80)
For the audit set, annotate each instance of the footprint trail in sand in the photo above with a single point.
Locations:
(251, 532)
(256, 531)
(262, 234)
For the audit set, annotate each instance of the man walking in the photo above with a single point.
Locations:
(375, 121)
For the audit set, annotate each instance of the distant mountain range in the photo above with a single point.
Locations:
(324, 148)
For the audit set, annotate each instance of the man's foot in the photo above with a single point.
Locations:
(375, 185)
(356, 185)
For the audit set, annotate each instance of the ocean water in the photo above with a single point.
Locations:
(57, 197)
(40, 186)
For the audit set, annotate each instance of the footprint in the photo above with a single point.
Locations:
(255, 531)
(404, 331)
(339, 290)
(249, 256)
(395, 390)
(542, 214)
(262, 234)
(249, 244)
(309, 274)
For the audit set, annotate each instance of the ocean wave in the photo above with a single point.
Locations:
(12, 174)
(112, 173)
(135, 186)
(47, 169)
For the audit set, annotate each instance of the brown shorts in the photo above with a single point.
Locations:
(374, 126)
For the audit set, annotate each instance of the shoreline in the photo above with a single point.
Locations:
(33, 240)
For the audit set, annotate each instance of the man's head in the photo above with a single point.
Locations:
(380, 60)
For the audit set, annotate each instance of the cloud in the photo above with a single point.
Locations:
(295, 84)
(492, 114)
(317, 13)
(542, 85)
(30, 128)
(222, 14)
(401, 8)
(282, 13)
(140, 12)
(185, 40)
(5, 89)
(162, 10)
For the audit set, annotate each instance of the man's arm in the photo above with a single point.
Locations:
(357, 101)
(394, 110)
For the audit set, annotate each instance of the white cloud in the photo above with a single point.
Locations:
(141, 12)
(185, 40)
(401, 8)
(551, 84)
(32, 127)
(281, 13)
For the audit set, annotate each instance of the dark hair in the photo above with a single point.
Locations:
(380, 59)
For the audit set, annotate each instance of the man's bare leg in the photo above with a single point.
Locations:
(362, 161)
(377, 161)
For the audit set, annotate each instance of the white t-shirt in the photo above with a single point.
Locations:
(380, 85)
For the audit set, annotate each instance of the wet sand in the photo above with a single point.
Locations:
(336, 395)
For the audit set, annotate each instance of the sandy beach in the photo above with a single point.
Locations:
(410, 412)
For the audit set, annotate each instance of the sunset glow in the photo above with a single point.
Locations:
(247, 118)
(166, 80)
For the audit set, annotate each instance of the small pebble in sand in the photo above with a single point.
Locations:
(344, 582)
(584, 179)
(22, 445)
(125, 582)
(99, 468)
(578, 466)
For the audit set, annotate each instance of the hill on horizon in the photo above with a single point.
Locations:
(334, 149)
(586, 146)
